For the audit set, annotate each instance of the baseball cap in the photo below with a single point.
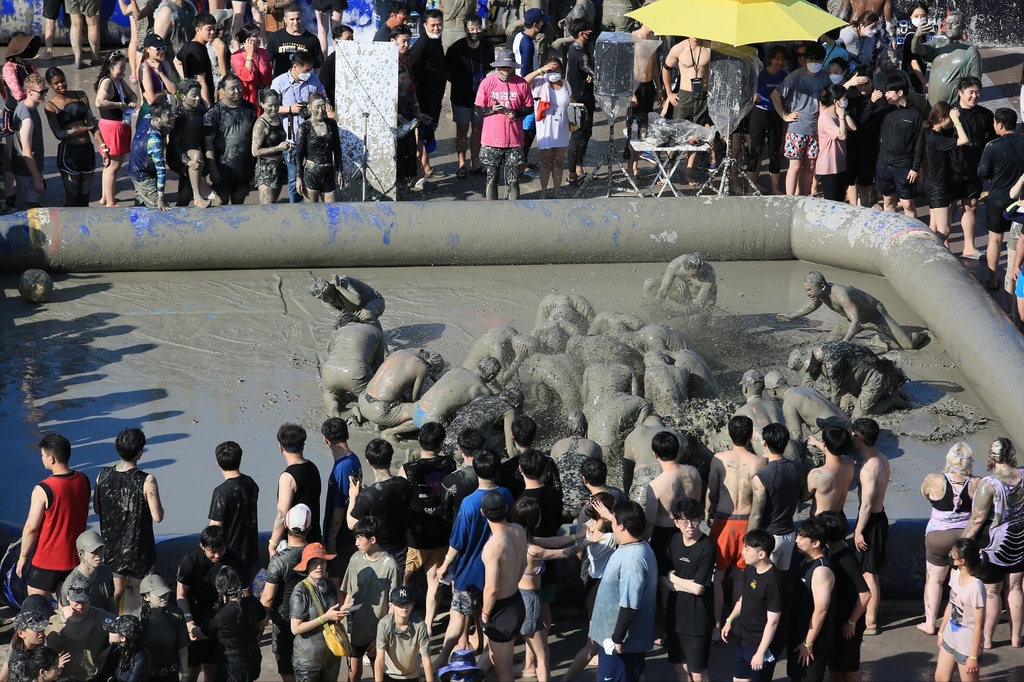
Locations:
(774, 380)
(400, 595)
(155, 41)
(535, 14)
(129, 626)
(299, 518)
(752, 378)
(155, 584)
(80, 590)
(494, 502)
(37, 603)
(89, 541)
(31, 620)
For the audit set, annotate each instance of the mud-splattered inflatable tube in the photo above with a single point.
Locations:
(965, 320)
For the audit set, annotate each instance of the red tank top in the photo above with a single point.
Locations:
(63, 521)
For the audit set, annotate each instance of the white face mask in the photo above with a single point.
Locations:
(871, 32)
(836, 78)
(813, 67)
(919, 22)
(305, 76)
(433, 36)
(842, 103)
(554, 77)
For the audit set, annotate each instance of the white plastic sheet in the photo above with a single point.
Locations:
(732, 84)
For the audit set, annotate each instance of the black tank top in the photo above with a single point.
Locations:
(73, 112)
(125, 520)
(948, 502)
(117, 94)
(782, 481)
(802, 608)
(307, 492)
(275, 133)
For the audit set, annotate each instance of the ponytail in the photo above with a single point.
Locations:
(974, 558)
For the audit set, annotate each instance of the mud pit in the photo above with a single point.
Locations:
(198, 358)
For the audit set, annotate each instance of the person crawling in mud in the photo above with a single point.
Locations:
(382, 403)
(862, 311)
(854, 374)
(689, 280)
(348, 294)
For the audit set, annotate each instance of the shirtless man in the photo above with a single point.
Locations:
(569, 454)
(554, 378)
(803, 406)
(676, 480)
(484, 414)
(404, 370)
(690, 99)
(862, 310)
(607, 349)
(502, 607)
(762, 411)
(665, 383)
(645, 98)
(349, 294)
(851, 9)
(639, 466)
(829, 484)
(657, 337)
(872, 529)
(354, 353)
(611, 418)
(612, 322)
(572, 312)
(689, 280)
(442, 400)
(730, 493)
(600, 379)
(853, 375)
(702, 382)
(507, 345)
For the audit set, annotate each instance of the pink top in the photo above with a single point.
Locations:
(255, 80)
(514, 94)
(831, 150)
(958, 632)
(13, 85)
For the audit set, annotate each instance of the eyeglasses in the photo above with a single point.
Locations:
(689, 522)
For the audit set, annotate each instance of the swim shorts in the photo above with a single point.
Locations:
(384, 413)
(801, 146)
(727, 534)
(419, 418)
(876, 534)
(534, 621)
(506, 618)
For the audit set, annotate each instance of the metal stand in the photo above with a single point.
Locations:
(610, 161)
(723, 170)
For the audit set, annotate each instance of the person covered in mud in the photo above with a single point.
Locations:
(569, 455)
(318, 153)
(383, 401)
(611, 418)
(484, 414)
(227, 127)
(807, 411)
(269, 143)
(665, 383)
(185, 144)
(613, 322)
(456, 389)
(862, 310)
(689, 281)
(852, 374)
(571, 312)
(348, 294)
(354, 353)
(507, 345)
(639, 467)
(762, 411)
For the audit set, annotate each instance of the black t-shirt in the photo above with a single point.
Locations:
(801, 609)
(939, 147)
(978, 124)
(326, 74)
(383, 34)
(428, 71)
(466, 67)
(231, 129)
(849, 585)
(234, 506)
(762, 592)
(199, 575)
(235, 626)
(782, 481)
(195, 61)
(868, 115)
(690, 614)
(428, 529)
(282, 45)
(458, 485)
(550, 509)
(509, 476)
(187, 134)
(387, 501)
(577, 70)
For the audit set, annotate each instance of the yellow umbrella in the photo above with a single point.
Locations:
(737, 22)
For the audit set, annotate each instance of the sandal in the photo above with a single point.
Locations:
(479, 170)
(461, 173)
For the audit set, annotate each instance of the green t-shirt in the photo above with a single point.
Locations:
(403, 650)
(370, 584)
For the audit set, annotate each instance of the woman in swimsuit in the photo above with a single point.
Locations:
(72, 122)
(156, 75)
(269, 142)
(318, 153)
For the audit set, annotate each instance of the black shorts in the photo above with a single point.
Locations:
(694, 651)
(691, 109)
(995, 204)
(993, 574)
(46, 580)
(660, 537)
(845, 656)
(860, 165)
(967, 187)
(330, 5)
(742, 669)
(815, 670)
(360, 650)
(202, 652)
(52, 8)
(876, 534)
(646, 96)
(591, 595)
(892, 180)
(284, 642)
(506, 619)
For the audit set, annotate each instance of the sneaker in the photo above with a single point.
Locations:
(420, 184)
(530, 174)
(648, 156)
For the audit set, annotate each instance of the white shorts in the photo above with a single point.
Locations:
(783, 554)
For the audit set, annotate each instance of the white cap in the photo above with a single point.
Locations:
(299, 518)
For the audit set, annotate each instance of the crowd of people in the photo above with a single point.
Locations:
(487, 533)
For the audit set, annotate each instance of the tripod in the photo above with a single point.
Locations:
(609, 162)
(723, 169)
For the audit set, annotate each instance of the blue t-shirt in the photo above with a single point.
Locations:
(801, 91)
(630, 581)
(469, 534)
(337, 495)
(525, 52)
(766, 84)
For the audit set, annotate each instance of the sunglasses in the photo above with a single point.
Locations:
(43, 91)
(801, 55)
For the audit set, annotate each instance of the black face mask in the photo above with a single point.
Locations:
(473, 37)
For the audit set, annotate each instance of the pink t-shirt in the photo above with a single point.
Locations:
(498, 130)
(959, 629)
(831, 150)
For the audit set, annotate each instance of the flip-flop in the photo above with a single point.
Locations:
(461, 173)
(974, 256)
(870, 632)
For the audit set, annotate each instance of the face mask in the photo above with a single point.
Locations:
(836, 78)
(504, 76)
(842, 103)
(305, 76)
(918, 23)
(871, 33)
(434, 36)
(813, 67)
(473, 37)
(554, 77)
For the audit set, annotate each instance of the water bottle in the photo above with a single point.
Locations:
(634, 130)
